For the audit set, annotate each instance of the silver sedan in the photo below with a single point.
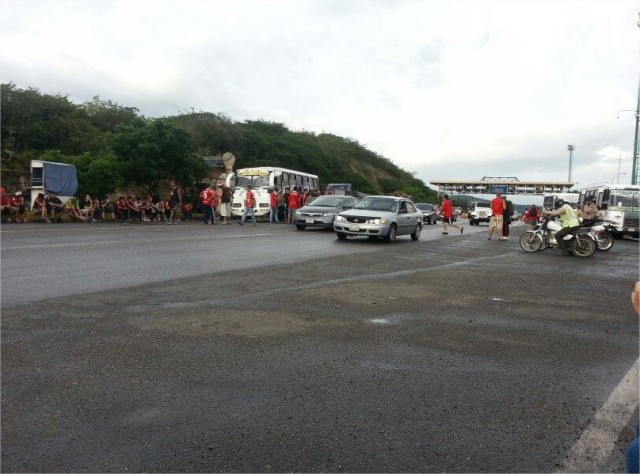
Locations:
(380, 217)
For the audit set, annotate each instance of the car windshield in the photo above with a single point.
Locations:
(378, 204)
(328, 201)
(483, 204)
(424, 207)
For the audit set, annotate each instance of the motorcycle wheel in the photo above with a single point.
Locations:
(583, 246)
(530, 242)
(545, 242)
(605, 242)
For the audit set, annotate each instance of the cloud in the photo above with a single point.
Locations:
(458, 89)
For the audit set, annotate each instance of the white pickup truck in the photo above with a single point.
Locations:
(479, 212)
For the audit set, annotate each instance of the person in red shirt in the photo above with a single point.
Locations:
(249, 203)
(17, 201)
(447, 212)
(497, 211)
(206, 198)
(293, 204)
(273, 204)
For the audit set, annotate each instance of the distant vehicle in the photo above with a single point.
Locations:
(380, 217)
(322, 211)
(429, 212)
(619, 205)
(457, 210)
(262, 179)
(480, 212)
(338, 189)
(48, 176)
(549, 200)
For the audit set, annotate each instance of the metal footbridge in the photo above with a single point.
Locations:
(501, 184)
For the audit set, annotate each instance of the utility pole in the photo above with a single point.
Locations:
(634, 166)
(570, 148)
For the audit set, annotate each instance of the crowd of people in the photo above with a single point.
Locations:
(213, 202)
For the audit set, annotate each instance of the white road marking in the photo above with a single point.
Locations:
(137, 241)
(591, 451)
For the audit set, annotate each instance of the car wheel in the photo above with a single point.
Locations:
(416, 233)
(392, 234)
(342, 236)
(300, 226)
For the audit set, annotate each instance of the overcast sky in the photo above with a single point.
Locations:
(445, 89)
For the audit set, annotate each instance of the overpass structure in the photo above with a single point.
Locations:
(501, 184)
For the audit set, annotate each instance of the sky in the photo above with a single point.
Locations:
(444, 89)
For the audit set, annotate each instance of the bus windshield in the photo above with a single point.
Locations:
(253, 181)
(627, 198)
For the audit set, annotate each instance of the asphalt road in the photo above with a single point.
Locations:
(263, 349)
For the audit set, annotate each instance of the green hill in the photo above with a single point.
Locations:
(115, 147)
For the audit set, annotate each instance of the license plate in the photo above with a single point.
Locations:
(354, 228)
(309, 220)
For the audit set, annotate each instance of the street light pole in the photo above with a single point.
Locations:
(570, 148)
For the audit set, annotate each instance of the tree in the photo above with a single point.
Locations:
(154, 152)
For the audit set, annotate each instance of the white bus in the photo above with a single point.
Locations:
(618, 204)
(261, 179)
(549, 200)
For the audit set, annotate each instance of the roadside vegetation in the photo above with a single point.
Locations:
(114, 147)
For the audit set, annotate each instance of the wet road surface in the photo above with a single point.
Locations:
(452, 353)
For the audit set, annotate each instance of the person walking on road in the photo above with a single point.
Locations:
(447, 212)
(249, 202)
(497, 212)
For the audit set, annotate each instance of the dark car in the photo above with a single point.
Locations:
(322, 211)
(429, 212)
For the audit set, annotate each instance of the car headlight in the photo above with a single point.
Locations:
(328, 214)
(377, 221)
(340, 219)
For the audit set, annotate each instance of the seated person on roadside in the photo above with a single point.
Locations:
(6, 209)
(589, 213)
(133, 213)
(17, 201)
(54, 206)
(87, 209)
(187, 211)
(40, 207)
(98, 210)
(121, 209)
(150, 211)
(141, 204)
(159, 209)
(108, 208)
(71, 208)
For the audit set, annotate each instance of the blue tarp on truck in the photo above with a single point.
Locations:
(59, 178)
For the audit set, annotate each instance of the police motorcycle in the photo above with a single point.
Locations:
(580, 243)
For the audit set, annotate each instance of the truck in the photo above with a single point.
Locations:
(480, 212)
(50, 177)
(339, 189)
